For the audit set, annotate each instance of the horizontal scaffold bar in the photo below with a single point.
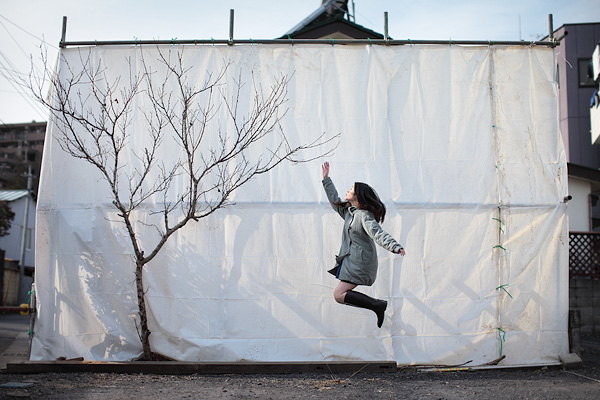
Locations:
(380, 42)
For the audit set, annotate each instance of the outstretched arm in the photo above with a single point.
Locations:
(381, 237)
(331, 192)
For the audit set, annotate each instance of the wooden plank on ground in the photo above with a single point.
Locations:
(186, 368)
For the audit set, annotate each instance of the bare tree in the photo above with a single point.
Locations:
(6, 218)
(95, 117)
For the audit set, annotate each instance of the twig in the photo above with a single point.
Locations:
(351, 376)
(327, 365)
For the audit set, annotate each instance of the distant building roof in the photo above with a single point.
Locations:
(12, 195)
(329, 21)
(23, 125)
(328, 10)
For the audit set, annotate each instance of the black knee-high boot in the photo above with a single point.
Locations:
(362, 300)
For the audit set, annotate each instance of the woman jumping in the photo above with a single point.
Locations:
(356, 263)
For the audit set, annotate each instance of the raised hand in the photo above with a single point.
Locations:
(325, 170)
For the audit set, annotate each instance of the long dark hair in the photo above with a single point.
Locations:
(368, 200)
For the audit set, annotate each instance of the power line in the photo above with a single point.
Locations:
(14, 83)
(14, 40)
(11, 73)
(28, 56)
(30, 34)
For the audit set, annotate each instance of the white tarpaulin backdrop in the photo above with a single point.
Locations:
(461, 143)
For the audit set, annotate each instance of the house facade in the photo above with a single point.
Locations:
(15, 245)
(21, 146)
(576, 87)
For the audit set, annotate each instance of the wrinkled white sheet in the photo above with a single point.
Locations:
(458, 141)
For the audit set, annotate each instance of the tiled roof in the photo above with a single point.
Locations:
(331, 17)
(329, 9)
(12, 195)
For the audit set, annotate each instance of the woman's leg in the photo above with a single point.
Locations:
(344, 294)
(339, 294)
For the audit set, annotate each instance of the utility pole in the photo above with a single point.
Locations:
(22, 289)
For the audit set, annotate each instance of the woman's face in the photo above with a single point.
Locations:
(351, 196)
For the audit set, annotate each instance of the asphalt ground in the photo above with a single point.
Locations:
(406, 383)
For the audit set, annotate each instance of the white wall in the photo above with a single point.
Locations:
(473, 179)
(578, 208)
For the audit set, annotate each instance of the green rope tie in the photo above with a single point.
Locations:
(499, 247)
(173, 41)
(502, 336)
(213, 40)
(332, 41)
(503, 287)
(289, 37)
(498, 219)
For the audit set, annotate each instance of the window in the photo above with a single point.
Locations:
(586, 73)
(28, 234)
(28, 239)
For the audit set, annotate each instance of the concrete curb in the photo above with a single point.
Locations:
(571, 361)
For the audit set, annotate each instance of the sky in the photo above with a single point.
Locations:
(24, 25)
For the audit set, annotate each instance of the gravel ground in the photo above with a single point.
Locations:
(532, 383)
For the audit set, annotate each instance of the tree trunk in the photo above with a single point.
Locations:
(144, 332)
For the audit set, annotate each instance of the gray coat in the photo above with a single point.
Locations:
(357, 259)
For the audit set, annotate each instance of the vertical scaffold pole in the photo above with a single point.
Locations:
(231, 12)
(385, 26)
(63, 36)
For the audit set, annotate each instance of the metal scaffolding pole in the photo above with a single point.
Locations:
(382, 42)
(22, 290)
(552, 42)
